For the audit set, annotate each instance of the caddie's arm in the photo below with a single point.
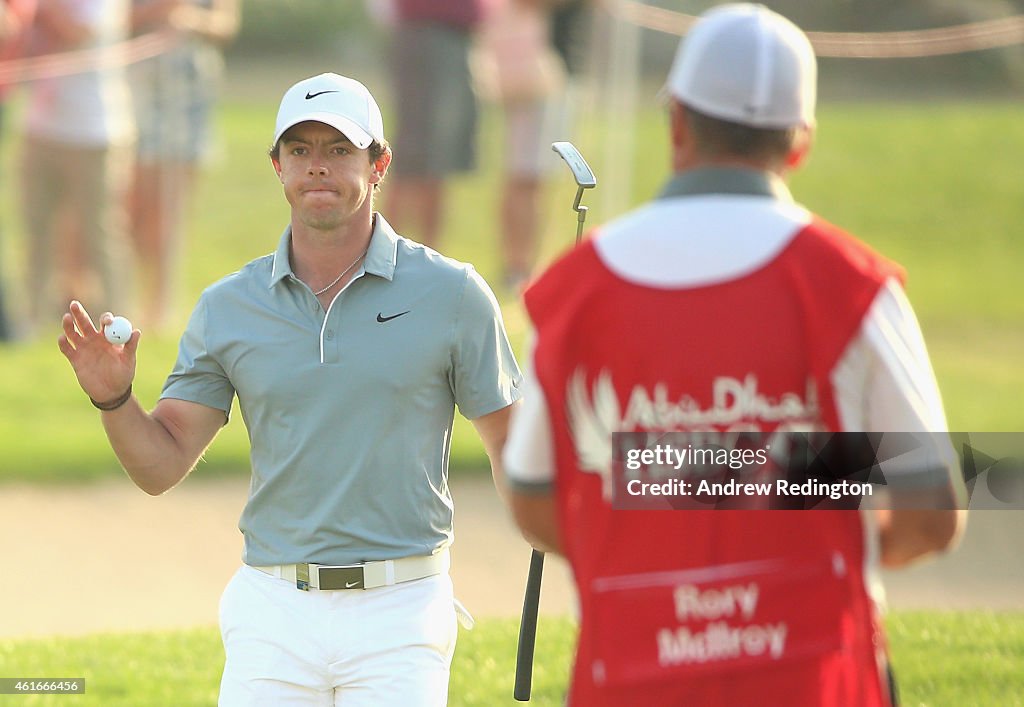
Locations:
(156, 449)
(911, 535)
(534, 513)
(889, 367)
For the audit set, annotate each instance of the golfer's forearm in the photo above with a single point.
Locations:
(151, 455)
(498, 477)
(493, 431)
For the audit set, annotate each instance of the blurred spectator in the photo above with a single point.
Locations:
(436, 108)
(382, 12)
(527, 49)
(16, 18)
(569, 26)
(78, 131)
(174, 95)
(519, 68)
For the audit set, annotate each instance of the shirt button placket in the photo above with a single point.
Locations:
(331, 345)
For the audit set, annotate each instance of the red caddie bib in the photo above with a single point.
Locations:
(709, 607)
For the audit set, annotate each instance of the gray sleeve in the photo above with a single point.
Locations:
(484, 375)
(198, 375)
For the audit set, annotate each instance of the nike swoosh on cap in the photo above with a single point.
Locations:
(318, 93)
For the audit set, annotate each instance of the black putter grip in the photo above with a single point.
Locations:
(528, 629)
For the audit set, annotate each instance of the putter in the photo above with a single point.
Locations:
(583, 175)
(585, 179)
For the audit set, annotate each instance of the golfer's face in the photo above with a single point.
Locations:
(326, 178)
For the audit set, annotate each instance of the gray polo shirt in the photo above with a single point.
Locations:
(349, 411)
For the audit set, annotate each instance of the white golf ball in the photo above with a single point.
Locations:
(118, 331)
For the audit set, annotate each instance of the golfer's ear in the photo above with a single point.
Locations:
(277, 166)
(380, 165)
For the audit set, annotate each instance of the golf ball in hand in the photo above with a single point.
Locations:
(118, 331)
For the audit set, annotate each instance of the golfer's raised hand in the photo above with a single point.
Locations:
(104, 370)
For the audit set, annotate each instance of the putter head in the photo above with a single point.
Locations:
(581, 171)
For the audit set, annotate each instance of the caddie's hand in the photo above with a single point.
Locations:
(104, 370)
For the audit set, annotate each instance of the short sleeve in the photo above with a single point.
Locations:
(884, 382)
(484, 376)
(198, 375)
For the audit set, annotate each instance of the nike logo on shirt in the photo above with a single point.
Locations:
(381, 318)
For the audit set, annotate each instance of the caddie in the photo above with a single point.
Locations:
(724, 306)
(348, 349)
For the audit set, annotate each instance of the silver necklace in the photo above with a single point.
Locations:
(343, 273)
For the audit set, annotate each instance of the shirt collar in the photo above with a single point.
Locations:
(382, 256)
(282, 265)
(380, 260)
(726, 180)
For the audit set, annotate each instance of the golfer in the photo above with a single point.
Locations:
(722, 306)
(348, 349)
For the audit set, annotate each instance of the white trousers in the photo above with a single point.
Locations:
(358, 648)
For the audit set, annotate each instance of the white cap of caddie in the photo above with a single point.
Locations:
(746, 64)
(338, 101)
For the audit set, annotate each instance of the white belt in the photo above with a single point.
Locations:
(364, 575)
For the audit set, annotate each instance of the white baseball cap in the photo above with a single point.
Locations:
(746, 64)
(338, 101)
